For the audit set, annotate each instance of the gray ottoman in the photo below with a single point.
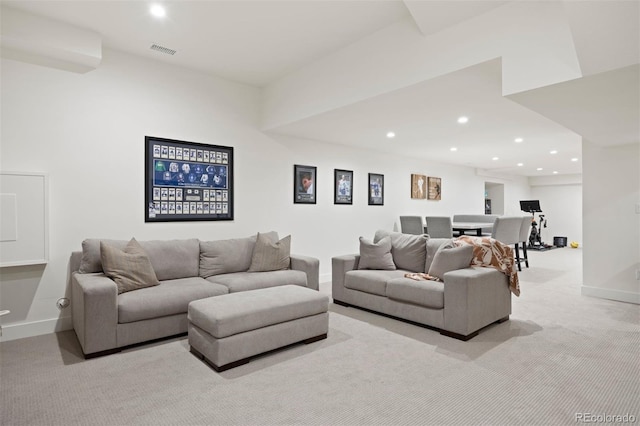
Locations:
(227, 330)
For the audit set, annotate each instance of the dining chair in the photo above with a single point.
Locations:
(506, 229)
(439, 226)
(411, 225)
(524, 240)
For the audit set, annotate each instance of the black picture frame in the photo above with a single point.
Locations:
(342, 186)
(376, 189)
(304, 184)
(195, 187)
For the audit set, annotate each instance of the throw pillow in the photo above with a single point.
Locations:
(227, 256)
(130, 268)
(449, 258)
(376, 255)
(269, 255)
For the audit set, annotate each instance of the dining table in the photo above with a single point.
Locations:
(462, 227)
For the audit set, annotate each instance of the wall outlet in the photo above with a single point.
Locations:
(62, 303)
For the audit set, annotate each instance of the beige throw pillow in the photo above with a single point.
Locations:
(130, 268)
(376, 256)
(449, 258)
(269, 255)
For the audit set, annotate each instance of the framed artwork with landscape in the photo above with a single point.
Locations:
(187, 181)
(435, 188)
(376, 189)
(304, 184)
(342, 186)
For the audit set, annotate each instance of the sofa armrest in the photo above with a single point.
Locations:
(340, 265)
(95, 311)
(475, 297)
(310, 266)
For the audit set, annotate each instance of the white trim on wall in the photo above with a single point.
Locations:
(606, 293)
(35, 328)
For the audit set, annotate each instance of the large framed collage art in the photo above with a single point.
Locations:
(187, 181)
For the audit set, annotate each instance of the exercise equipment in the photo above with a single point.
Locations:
(535, 237)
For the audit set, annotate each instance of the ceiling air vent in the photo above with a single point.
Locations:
(163, 49)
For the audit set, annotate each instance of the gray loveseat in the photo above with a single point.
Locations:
(466, 301)
(187, 270)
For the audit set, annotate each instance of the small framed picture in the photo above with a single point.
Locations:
(304, 184)
(342, 186)
(418, 189)
(376, 189)
(435, 188)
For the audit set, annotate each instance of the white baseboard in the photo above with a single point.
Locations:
(605, 293)
(325, 278)
(35, 328)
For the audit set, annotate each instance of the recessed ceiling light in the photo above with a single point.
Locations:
(158, 11)
(453, 149)
(495, 158)
(574, 159)
(520, 164)
(463, 119)
(391, 135)
(555, 172)
(539, 168)
(518, 140)
(553, 151)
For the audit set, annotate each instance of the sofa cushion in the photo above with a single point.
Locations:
(170, 258)
(433, 244)
(173, 259)
(91, 262)
(270, 255)
(423, 293)
(169, 298)
(449, 258)
(243, 281)
(227, 256)
(376, 255)
(130, 268)
(408, 251)
(369, 281)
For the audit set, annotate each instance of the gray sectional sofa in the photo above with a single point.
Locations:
(187, 270)
(467, 300)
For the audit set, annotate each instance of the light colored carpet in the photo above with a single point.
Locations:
(560, 354)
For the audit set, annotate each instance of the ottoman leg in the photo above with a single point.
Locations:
(195, 352)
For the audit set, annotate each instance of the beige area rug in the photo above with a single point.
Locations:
(560, 355)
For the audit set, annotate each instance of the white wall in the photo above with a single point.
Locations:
(611, 223)
(87, 131)
(495, 192)
(562, 208)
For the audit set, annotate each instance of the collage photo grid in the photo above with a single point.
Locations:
(190, 182)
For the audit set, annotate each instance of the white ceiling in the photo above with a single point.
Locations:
(259, 42)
